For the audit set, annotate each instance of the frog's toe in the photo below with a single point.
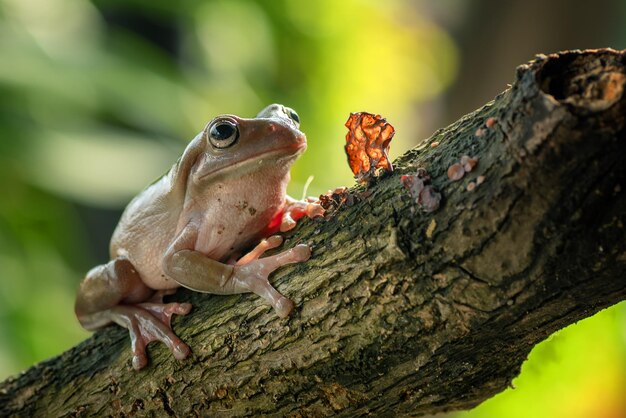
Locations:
(138, 345)
(274, 241)
(301, 252)
(164, 311)
(287, 223)
(181, 351)
(284, 306)
(182, 308)
(315, 210)
(140, 361)
(266, 244)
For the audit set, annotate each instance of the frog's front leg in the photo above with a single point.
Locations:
(114, 292)
(195, 271)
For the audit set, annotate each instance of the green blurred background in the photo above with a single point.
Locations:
(99, 98)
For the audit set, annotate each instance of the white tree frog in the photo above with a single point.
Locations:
(226, 193)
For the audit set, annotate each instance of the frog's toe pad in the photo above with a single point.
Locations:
(314, 210)
(301, 252)
(283, 307)
(181, 351)
(274, 241)
(182, 309)
(140, 361)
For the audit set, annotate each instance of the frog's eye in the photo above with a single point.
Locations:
(223, 133)
(294, 116)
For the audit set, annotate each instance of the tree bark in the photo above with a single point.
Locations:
(399, 311)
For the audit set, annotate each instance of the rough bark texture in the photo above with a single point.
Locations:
(400, 311)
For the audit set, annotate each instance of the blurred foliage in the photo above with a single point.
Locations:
(99, 98)
(579, 372)
(91, 92)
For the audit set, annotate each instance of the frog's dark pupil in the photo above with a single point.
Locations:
(223, 131)
(294, 116)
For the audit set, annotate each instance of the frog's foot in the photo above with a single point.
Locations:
(147, 322)
(253, 275)
(297, 210)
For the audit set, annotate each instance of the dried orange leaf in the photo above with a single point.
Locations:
(367, 144)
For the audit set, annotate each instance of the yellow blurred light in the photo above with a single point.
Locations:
(380, 57)
(580, 372)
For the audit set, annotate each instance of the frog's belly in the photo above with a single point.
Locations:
(219, 237)
(145, 232)
(216, 242)
(147, 258)
(144, 243)
(149, 265)
(220, 240)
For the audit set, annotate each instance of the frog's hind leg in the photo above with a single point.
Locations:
(114, 293)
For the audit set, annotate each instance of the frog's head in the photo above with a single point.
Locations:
(234, 145)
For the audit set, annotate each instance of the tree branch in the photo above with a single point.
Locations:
(401, 311)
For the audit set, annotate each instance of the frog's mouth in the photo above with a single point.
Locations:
(282, 158)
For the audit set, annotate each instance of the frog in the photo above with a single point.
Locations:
(204, 225)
